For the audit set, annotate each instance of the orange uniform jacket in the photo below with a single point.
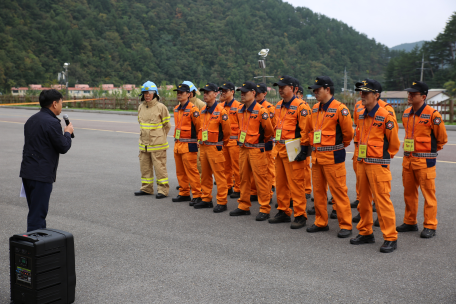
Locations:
(291, 118)
(270, 109)
(378, 130)
(257, 126)
(427, 129)
(216, 122)
(359, 109)
(232, 108)
(334, 121)
(187, 120)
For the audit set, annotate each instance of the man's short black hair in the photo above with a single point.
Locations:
(331, 90)
(193, 93)
(47, 97)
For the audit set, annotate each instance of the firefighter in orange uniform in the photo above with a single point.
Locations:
(231, 151)
(261, 92)
(330, 131)
(308, 174)
(378, 142)
(359, 110)
(213, 136)
(425, 134)
(255, 131)
(290, 114)
(187, 124)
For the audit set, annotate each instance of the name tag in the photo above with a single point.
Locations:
(317, 137)
(204, 136)
(278, 134)
(178, 134)
(362, 152)
(242, 137)
(409, 145)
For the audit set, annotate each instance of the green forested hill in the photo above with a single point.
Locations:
(131, 41)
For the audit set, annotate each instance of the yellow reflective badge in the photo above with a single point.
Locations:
(278, 134)
(362, 153)
(204, 135)
(317, 137)
(242, 137)
(178, 134)
(409, 145)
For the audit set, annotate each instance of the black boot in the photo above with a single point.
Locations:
(363, 239)
(333, 215)
(194, 201)
(376, 223)
(235, 195)
(388, 246)
(315, 228)
(140, 192)
(254, 198)
(356, 218)
(354, 204)
(203, 204)
(230, 191)
(280, 217)
(220, 208)
(311, 211)
(181, 198)
(427, 233)
(239, 212)
(262, 216)
(405, 228)
(299, 222)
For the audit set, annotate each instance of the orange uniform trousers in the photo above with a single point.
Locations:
(213, 162)
(187, 173)
(290, 180)
(375, 182)
(308, 176)
(355, 168)
(271, 174)
(425, 179)
(231, 154)
(252, 162)
(333, 176)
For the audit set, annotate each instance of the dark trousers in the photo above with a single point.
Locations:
(38, 194)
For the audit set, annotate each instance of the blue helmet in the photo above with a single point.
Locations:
(190, 84)
(149, 86)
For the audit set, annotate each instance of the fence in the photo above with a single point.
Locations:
(446, 108)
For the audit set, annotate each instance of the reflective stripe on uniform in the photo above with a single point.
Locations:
(147, 180)
(151, 126)
(208, 143)
(328, 148)
(187, 140)
(422, 155)
(233, 137)
(146, 148)
(166, 119)
(162, 181)
(379, 161)
(247, 145)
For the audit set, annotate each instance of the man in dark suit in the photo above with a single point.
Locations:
(44, 142)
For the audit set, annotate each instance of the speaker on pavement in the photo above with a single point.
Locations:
(42, 267)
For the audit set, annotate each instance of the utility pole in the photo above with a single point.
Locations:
(422, 67)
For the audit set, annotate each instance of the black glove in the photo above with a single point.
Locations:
(302, 155)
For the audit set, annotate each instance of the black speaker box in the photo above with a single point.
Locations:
(42, 267)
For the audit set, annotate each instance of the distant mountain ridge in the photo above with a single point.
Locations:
(408, 47)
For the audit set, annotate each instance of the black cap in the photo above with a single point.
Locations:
(210, 87)
(247, 87)
(419, 86)
(286, 81)
(322, 81)
(368, 85)
(301, 90)
(228, 86)
(183, 88)
(261, 88)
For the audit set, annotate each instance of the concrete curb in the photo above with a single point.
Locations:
(449, 128)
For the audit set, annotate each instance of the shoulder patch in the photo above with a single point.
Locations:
(344, 112)
(437, 121)
(196, 114)
(379, 118)
(304, 112)
(391, 113)
(314, 110)
(264, 115)
(225, 117)
(331, 110)
(425, 116)
(389, 125)
(271, 115)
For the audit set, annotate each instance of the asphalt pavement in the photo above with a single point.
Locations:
(143, 250)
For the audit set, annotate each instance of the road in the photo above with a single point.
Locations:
(143, 250)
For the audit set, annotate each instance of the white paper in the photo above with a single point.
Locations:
(22, 194)
(293, 147)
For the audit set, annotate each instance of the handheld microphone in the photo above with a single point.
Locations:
(67, 121)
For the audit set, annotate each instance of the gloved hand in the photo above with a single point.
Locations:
(302, 155)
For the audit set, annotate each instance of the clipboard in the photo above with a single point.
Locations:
(293, 147)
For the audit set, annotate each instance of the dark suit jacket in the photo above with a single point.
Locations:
(44, 142)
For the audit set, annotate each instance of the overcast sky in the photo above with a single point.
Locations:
(390, 22)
